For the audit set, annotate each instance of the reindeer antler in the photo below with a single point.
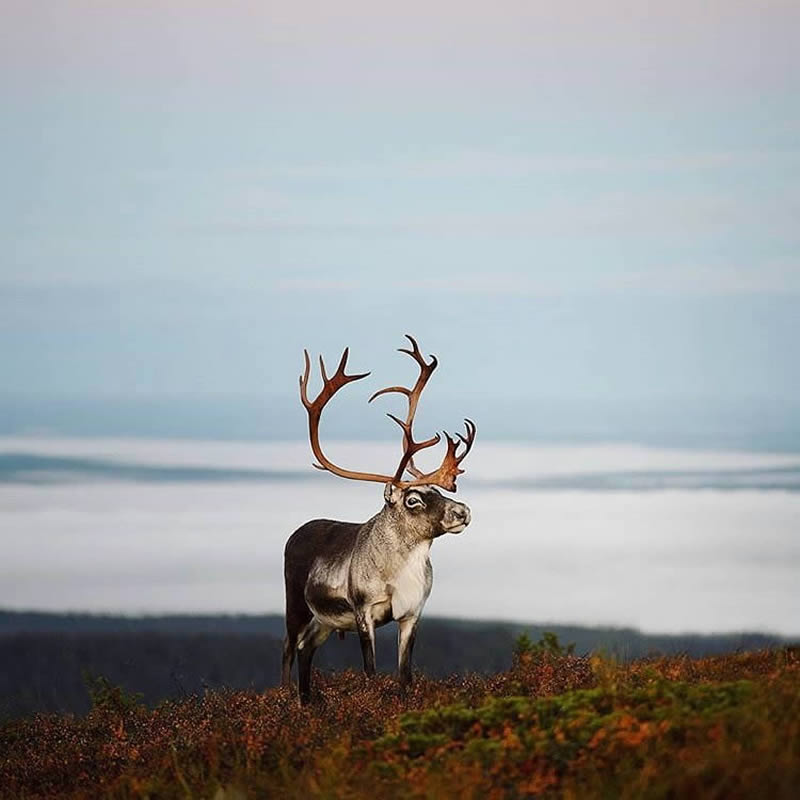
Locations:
(444, 477)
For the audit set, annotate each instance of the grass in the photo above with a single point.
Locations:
(555, 725)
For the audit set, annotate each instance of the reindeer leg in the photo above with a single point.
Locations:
(288, 660)
(406, 634)
(366, 635)
(298, 618)
(313, 636)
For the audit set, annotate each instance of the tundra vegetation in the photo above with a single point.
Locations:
(555, 724)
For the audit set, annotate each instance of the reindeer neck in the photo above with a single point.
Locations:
(389, 532)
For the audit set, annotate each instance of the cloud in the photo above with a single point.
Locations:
(131, 548)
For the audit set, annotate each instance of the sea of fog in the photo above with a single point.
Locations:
(664, 540)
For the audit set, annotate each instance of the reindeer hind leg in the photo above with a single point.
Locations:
(289, 650)
(313, 636)
(298, 617)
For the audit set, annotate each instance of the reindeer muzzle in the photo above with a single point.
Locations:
(456, 518)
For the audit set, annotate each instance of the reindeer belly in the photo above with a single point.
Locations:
(333, 612)
(337, 613)
(326, 595)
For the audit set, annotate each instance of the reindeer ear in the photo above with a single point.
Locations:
(391, 494)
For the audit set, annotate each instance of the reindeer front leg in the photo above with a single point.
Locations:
(406, 634)
(366, 635)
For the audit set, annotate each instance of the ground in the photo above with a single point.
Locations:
(555, 725)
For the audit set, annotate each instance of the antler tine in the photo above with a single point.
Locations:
(411, 448)
(343, 365)
(304, 380)
(449, 470)
(468, 440)
(400, 389)
(414, 445)
(329, 385)
(322, 370)
(416, 354)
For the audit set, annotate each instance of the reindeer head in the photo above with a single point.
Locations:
(425, 511)
(416, 498)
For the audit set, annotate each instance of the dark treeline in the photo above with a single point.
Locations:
(46, 660)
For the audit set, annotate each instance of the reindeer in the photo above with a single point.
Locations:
(350, 576)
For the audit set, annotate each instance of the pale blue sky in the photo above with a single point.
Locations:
(588, 211)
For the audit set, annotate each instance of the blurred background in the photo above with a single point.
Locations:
(587, 211)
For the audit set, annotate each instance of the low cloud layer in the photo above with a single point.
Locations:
(675, 560)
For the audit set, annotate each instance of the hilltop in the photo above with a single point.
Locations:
(554, 724)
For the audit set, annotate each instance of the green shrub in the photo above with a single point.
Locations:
(106, 696)
(548, 645)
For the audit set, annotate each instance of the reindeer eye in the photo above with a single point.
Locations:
(413, 501)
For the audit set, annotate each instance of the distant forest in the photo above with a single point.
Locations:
(49, 659)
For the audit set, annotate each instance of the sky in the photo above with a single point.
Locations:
(589, 212)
